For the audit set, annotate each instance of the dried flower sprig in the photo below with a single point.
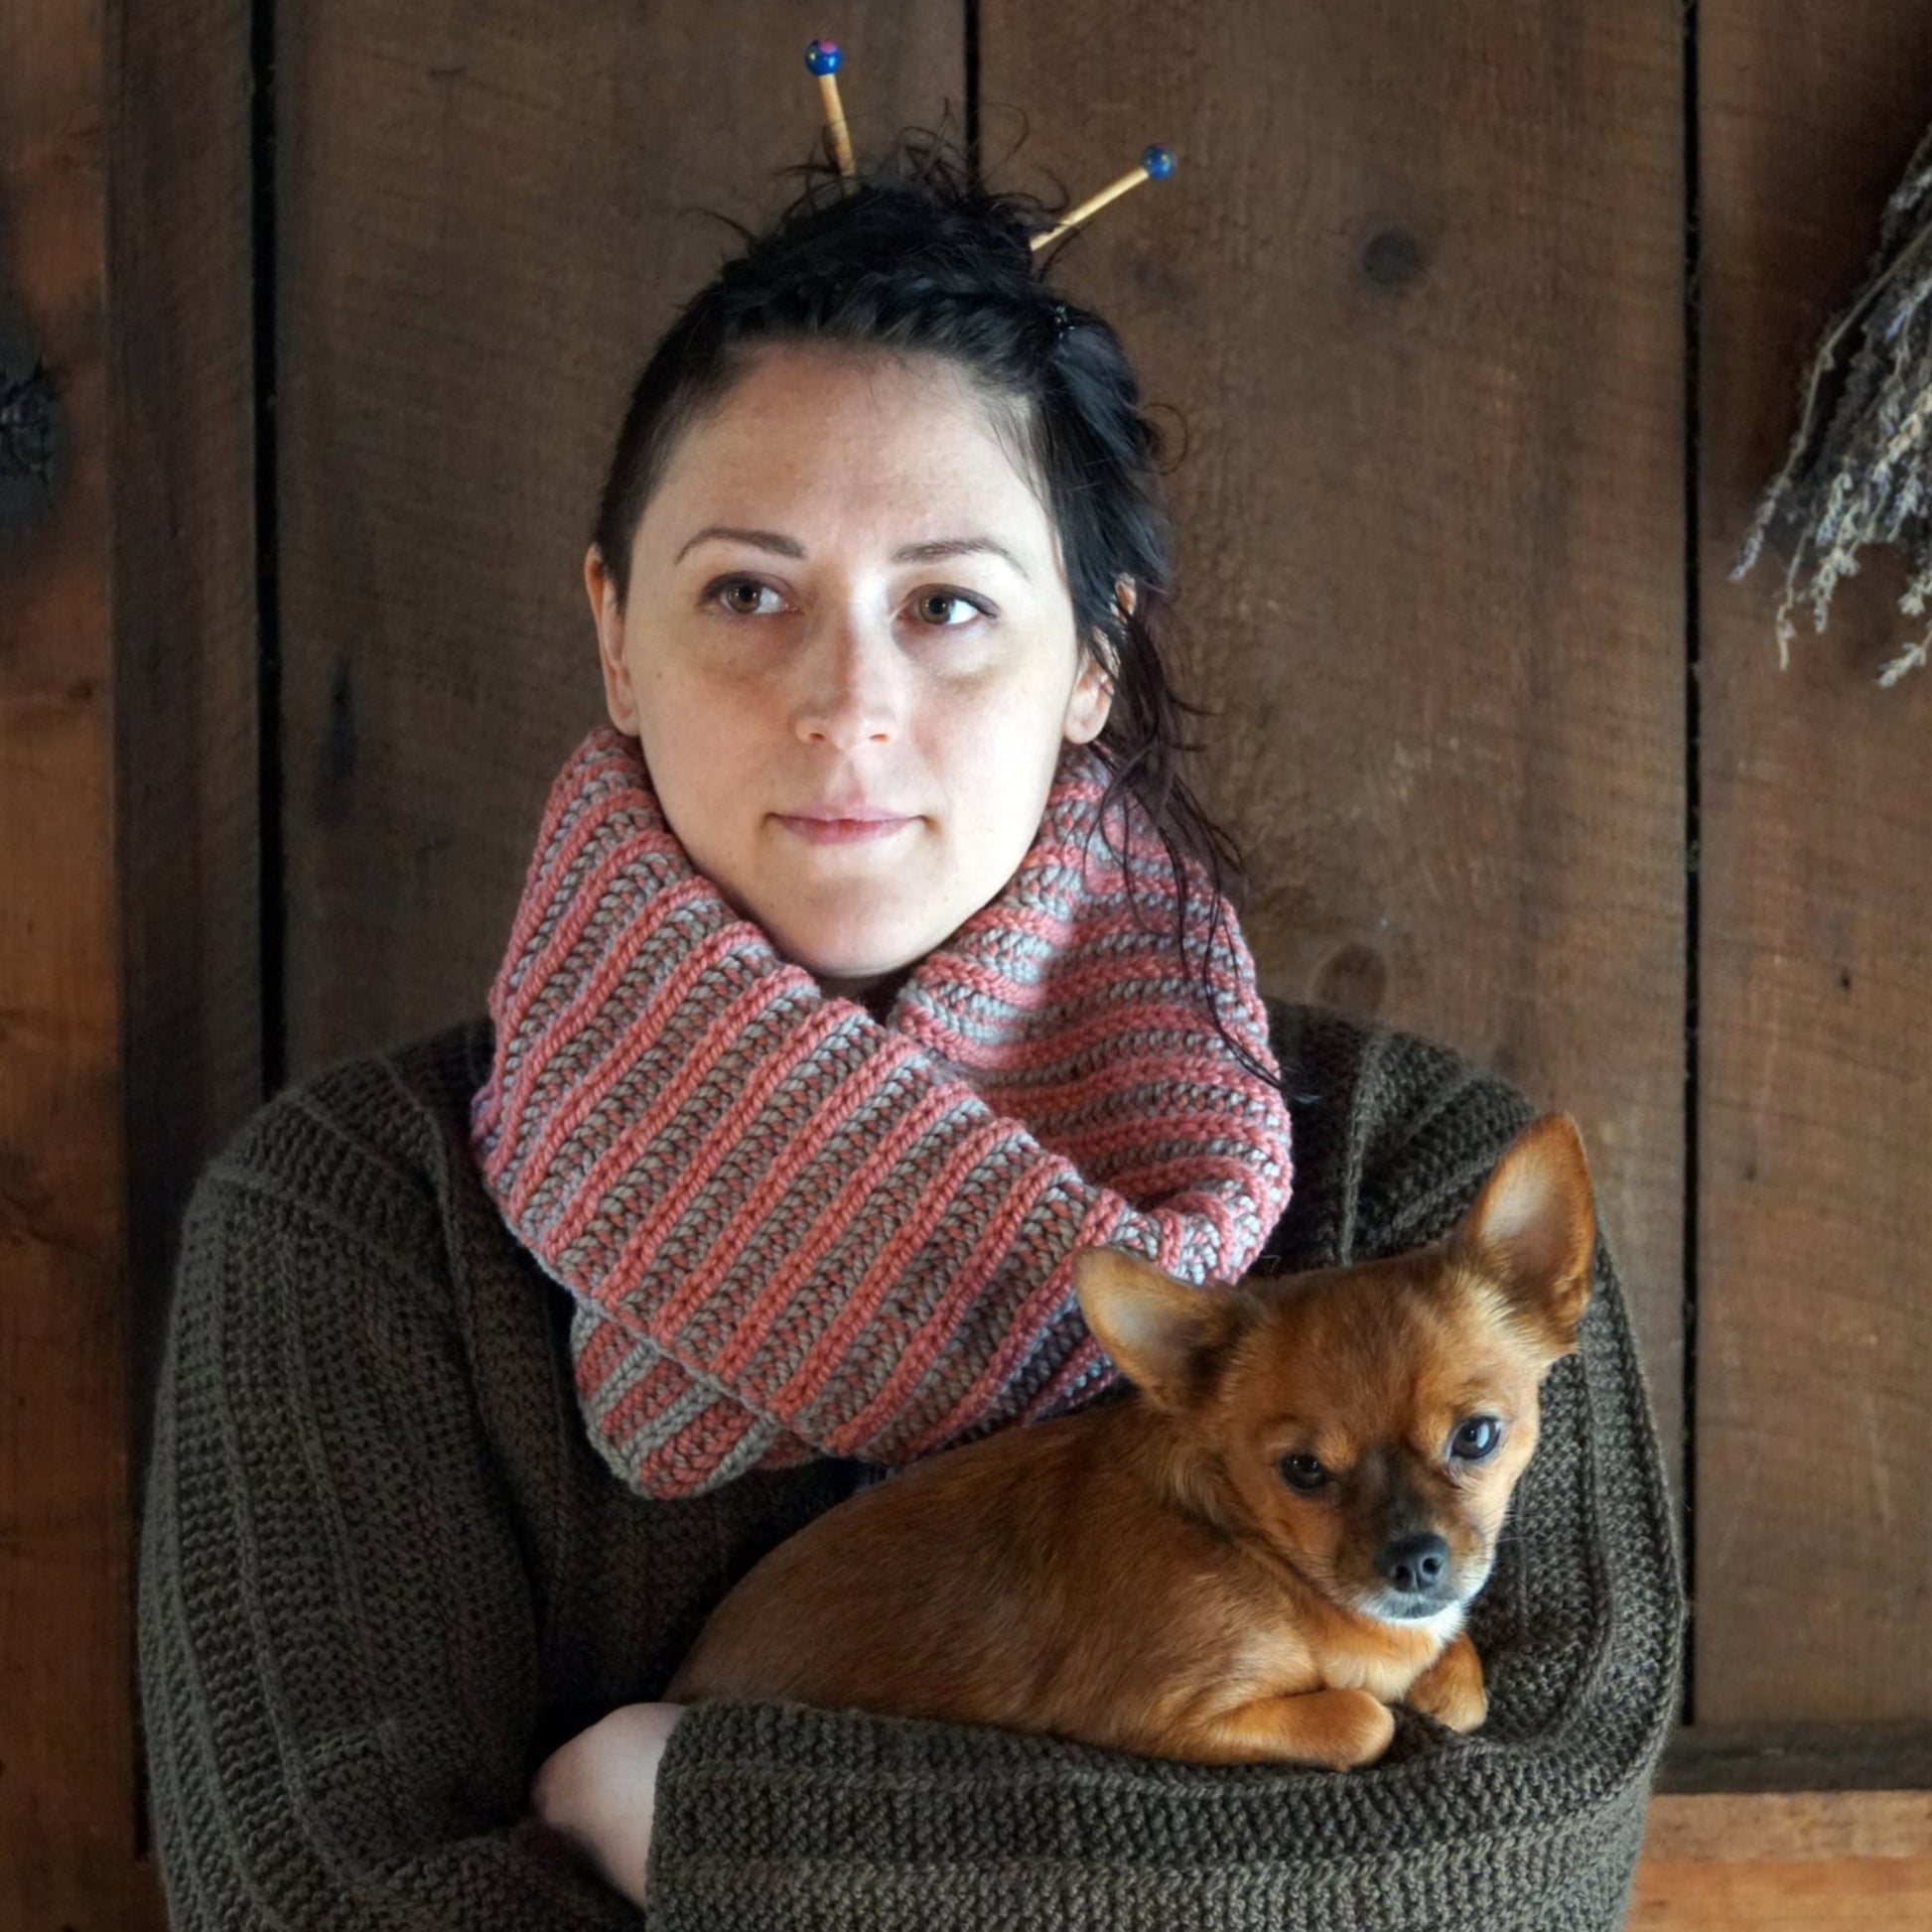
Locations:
(1868, 479)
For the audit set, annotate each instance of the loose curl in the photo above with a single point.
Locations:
(917, 257)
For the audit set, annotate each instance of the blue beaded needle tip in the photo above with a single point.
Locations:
(822, 56)
(1155, 164)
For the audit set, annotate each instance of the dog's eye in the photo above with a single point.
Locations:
(1301, 1473)
(1477, 1439)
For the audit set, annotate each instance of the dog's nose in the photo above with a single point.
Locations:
(1412, 1564)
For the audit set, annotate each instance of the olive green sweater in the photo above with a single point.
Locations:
(383, 1574)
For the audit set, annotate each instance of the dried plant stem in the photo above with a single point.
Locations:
(1866, 479)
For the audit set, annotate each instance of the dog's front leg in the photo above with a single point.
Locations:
(1451, 1689)
(1337, 1729)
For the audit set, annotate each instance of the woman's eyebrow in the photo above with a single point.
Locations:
(758, 539)
(933, 552)
(943, 547)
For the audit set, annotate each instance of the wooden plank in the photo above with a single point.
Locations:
(1817, 1860)
(187, 753)
(1824, 1895)
(1798, 1757)
(1814, 1521)
(181, 261)
(486, 225)
(1808, 1825)
(68, 1832)
(1416, 290)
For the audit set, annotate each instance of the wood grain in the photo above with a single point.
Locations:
(67, 1828)
(1415, 291)
(1814, 1519)
(1817, 1860)
(187, 671)
(1869, 1756)
(487, 222)
(1820, 1826)
(1824, 1895)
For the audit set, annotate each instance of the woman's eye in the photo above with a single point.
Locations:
(1477, 1439)
(735, 589)
(742, 597)
(929, 601)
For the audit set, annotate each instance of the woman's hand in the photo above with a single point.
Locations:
(601, 1790)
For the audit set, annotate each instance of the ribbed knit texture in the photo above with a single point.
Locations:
(383, 1574)
(794, 1230)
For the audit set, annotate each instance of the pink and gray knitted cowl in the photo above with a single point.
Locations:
(791, 1228)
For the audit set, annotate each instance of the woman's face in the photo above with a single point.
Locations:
(847, 605)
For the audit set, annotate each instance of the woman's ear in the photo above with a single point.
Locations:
(1093, 690)
(608, 615)
(1092, 699)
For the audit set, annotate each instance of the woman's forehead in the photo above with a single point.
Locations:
(832, 432)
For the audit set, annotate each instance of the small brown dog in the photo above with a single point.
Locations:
(1251, 1558)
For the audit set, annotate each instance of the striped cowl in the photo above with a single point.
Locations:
(791, 1228)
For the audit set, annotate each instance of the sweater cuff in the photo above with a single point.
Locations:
(817, 1821)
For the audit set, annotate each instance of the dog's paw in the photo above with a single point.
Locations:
(1460, 1707)
(1359, 1728)
(1452, 1690)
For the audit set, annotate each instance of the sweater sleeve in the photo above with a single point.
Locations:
(776, 1815)
(337, 1645)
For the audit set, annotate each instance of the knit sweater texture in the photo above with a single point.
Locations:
(794, 1230)
(383, 1574)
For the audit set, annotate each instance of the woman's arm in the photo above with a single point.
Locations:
(337, 1645)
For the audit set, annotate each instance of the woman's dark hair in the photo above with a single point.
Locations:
(915, 257)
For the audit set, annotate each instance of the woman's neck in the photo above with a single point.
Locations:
(875, 995)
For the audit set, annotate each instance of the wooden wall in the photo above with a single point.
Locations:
(1813, 1389)
(1486, 324)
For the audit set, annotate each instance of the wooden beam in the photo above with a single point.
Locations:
(69, 1835)
(1814, 1825)
(1799, 1758)
(1793, 1896)
(1810, 1860)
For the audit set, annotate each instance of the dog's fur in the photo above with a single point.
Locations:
(1171, 1574)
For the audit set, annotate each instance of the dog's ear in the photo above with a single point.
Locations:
(1533, 1228)
(1167, 1338)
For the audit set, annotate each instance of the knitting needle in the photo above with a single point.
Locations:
(1157, 164)
(822, 56)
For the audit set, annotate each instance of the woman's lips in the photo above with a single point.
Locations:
(842, 831)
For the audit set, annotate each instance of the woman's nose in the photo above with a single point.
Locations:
(849, 687)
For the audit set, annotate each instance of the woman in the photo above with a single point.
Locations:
(871, 962)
